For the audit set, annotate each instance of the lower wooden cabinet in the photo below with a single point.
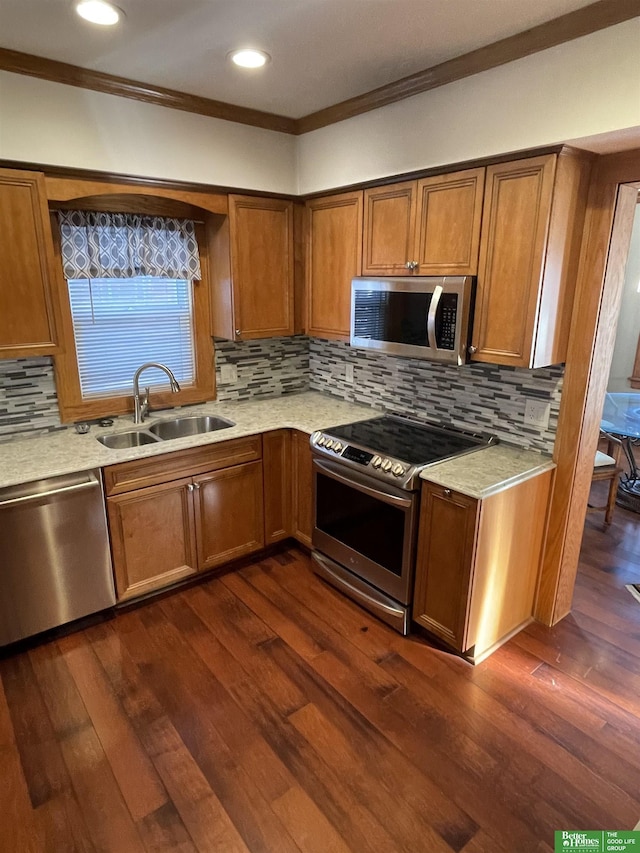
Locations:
(164, 532)
(153, 539)
(477, 563)
(302, 480)
(229, 514)
(278, 493)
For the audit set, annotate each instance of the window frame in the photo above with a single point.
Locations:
(71, 404)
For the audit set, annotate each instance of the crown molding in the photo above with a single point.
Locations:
(73, 75)
(582, 22)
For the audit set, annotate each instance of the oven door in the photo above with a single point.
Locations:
(365, 526)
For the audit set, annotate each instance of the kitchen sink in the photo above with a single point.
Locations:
(192, 425)
(123, 440)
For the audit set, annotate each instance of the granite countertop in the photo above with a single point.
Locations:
(487, 471)
(26, 459)
(477, 474)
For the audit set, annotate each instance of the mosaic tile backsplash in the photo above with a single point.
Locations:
(265, 368)
(28, 399)
(478, 397)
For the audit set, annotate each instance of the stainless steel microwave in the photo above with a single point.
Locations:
(418, 317)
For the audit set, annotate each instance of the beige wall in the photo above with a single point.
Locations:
(49, 123)
(585, 87)
(581, 88)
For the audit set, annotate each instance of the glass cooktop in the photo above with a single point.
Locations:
(407, 441)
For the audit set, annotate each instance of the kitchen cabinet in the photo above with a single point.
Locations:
(477, 564)
(302, 483)
(251, 257)
(29, 316)
(529, 250)
(276, 450)
(229, 514)
(334, 257)
(180, 513)
(425, 227)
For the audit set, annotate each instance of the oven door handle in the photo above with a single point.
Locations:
(356, 483)
(431, 317)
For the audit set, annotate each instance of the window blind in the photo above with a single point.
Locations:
(120, 323)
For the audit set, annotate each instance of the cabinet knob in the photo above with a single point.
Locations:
(472, 349)
(411, 265)
(447, 493)
(238, 333)
(189, 487)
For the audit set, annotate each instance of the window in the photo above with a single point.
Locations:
(119, 323)
(115, 322)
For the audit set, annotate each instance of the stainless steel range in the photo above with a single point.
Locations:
(366, 486)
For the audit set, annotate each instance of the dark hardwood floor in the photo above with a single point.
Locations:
(263, 712)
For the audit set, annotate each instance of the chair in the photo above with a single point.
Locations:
(607, 467)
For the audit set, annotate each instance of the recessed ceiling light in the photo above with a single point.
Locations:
(249, 58)
(99, 12)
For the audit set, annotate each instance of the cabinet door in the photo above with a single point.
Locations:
(262, 265)
(516, 215)
(448, 223)
(334, 257)
(27, 296)
(302, 473)
(389, 226)
(152, 537)
(444, 564)
(276, 461)
(229, 514)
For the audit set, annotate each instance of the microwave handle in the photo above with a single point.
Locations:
(431, 317)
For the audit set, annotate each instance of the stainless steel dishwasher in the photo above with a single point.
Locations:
(55, 563)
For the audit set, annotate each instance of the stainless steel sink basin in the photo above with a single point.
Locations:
(123, 440)
(191, 425)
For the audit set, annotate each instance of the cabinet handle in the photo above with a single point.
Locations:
(238, 333)
(189, 487)
(472, 349)
(411, 265)
(196, 486)
(447, 493)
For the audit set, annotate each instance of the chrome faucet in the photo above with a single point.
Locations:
(141, 402)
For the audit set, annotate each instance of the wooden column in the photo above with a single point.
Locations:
(607, 234)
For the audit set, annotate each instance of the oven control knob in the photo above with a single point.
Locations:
(328, 443)
(376, 462)
(321, 441)
(337, 447)
(397, 470)
(386, 465)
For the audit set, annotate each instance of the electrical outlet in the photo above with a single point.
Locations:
(348, 373)
(536, 413)
(228, 373)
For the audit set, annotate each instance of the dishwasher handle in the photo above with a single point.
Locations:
(91, 483)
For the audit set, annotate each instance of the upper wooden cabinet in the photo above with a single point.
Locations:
(252, 267)
(426, 227)
(334, 257)
(529, 250)
(28, 310)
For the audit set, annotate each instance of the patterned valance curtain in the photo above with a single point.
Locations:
(124, 245)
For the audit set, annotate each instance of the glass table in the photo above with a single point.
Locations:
(621, 417)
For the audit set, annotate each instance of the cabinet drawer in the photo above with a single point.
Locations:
(181, 463)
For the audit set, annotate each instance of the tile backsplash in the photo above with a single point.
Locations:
(28, 399)
(265, 368)
(478, 397)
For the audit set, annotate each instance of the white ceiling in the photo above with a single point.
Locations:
(324, 51)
